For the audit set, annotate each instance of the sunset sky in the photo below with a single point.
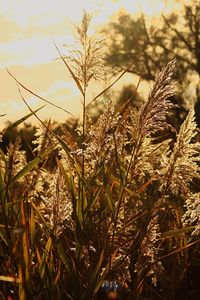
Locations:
(27, 50)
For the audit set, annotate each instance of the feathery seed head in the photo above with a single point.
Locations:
(153, 115)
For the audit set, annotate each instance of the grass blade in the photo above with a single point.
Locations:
(18, 122)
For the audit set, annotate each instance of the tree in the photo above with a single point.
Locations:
(179, 36)
(152, 47)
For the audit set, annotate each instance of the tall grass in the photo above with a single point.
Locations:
(118, 206)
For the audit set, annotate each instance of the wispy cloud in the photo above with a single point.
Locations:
(27, 49)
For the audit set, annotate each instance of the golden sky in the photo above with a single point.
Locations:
(27, 50)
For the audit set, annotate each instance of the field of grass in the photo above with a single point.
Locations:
(120, 204)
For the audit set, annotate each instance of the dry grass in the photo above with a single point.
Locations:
(112, 209)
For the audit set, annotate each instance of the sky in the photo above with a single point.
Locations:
(27, 49)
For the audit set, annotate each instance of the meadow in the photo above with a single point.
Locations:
(120, 203)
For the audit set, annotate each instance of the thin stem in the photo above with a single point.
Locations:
(133, 156)
(84, 79)
(83, 149)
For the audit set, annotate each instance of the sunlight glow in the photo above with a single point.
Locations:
(29, 26)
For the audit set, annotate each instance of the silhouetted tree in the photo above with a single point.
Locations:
(151, 47)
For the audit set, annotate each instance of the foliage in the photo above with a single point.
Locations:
(150, 47)
(178, 36)
(117, 205)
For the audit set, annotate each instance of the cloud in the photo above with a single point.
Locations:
(28, 24)
(46, 12)
(9, 29)
(32, 51)
(51, 81)
(27, 49)
(68, 86)
(28, 52)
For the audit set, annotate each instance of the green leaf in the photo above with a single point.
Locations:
(30, 166)
(67, 150)
(176, 232)
(94, 199)
(45, 255)
(18, 122)
(94, 276)
(32, 227)
(55, 241)
(9, 279)
(105, 272)
(3, 236)
(109, 199)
